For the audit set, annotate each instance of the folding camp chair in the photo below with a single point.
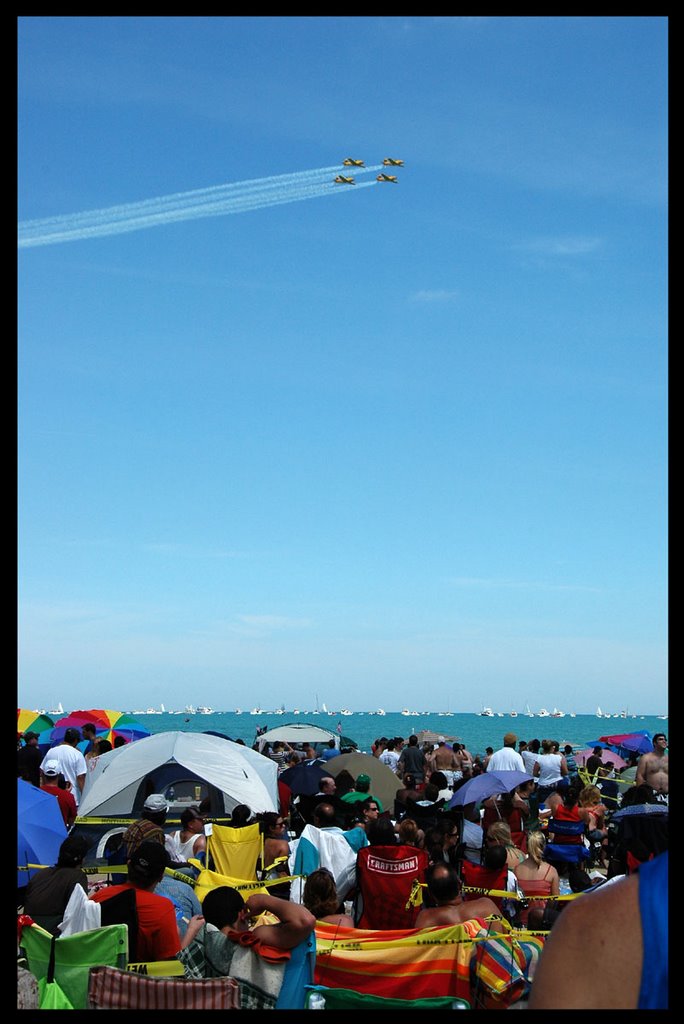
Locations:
(74, 955)
(110, 989)
(385, 877)
(235, 851)
(480, 877)
(568, 845)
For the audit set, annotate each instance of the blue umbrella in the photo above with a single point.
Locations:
(487, 784)
(40, 829)
(639, 810)
(304, 779)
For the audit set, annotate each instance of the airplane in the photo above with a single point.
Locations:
(387, 177)
(389, 162)
(341, 180)
(352, 163)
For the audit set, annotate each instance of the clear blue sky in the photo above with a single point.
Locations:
(394, 445)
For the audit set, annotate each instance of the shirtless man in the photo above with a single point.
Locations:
(444, 760)
(444, 887)
(652, 769)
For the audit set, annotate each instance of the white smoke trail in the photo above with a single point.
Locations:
(237, 197)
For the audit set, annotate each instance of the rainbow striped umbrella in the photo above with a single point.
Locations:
(108, 725)
(32, 721)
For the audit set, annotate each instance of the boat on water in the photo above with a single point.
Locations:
(161, 710)
(543, 713)
(487, 713)
(528, 712)
(557, 714)
(59, 710)
(202, 709)
(513, 714)
(346, 711)
(189, 709)
(380, 711)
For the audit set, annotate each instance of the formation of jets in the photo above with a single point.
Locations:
(349, 161)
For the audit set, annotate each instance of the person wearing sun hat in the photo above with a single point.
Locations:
(361, 791)
(507, 758)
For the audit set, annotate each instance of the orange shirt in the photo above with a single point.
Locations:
(157, 929)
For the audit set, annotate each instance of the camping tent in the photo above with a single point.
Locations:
(299, 732)
(384, 783)
(171, 763)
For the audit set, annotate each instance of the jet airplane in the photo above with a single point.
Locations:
(387, 177)
(341, 180)
(348, 162)
(389, 162)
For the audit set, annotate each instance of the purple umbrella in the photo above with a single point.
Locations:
(487, 784)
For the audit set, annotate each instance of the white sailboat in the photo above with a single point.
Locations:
(59, 710)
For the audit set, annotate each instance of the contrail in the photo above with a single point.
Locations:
(217, 200)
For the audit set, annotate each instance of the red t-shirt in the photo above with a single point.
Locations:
(157, 929)
(67, 804)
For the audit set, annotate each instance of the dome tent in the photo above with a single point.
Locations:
(122, 777)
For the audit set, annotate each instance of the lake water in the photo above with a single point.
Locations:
(476, 731)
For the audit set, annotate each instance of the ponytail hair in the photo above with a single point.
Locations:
(536, 845)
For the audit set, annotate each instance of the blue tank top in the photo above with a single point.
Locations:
(653, 906)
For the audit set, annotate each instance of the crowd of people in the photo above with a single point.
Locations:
(506, 835)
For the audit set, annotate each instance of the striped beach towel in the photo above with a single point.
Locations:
(414, 963)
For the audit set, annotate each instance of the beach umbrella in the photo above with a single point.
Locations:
(582, 756)
(108, 725)
(40, 829)
(638, 810)
(121, 724)
(626, 743)
(486, 785)
(32, 721)
(304, 779)
(633, 742)
(428, 736)
(384, 783)
(76, 720)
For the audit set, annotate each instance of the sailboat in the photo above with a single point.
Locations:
(599, 713)
(59, 710)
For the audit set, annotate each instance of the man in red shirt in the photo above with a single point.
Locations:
(158, 937)
(49, 777)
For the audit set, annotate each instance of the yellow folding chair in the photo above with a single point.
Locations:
(235, 851)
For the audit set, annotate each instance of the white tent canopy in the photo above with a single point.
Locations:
(299, 732)
(242, 775)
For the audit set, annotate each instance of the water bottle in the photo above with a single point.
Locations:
(316, 1001)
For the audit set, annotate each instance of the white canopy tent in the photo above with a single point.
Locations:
(116, 783)
(298, 732)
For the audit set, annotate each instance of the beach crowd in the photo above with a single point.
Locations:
(518, 839)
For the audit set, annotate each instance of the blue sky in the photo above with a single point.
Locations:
(384, 443)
